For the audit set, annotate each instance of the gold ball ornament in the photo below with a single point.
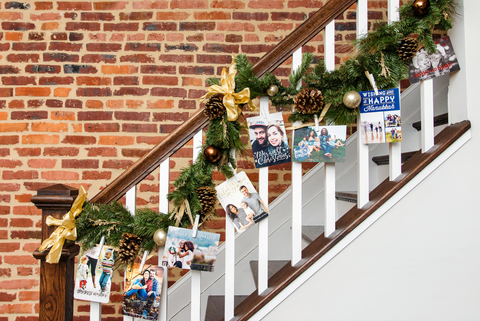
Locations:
(160, 237)
(212, 154)
(352, 99)
(420, 8)
(272, 90)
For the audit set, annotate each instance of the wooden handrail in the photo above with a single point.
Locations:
(271, 60)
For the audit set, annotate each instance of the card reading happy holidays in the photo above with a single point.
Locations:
(241, 202)
(94, 274)
(268, 140)
(143, 288)
(380, 118)
(191, 253)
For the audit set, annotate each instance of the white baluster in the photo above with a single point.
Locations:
(394, 149)
(426, 90)
(131, 205)
(164, 186)
(263, 224)
(329, 168)
(229, 267)
(296, 187)
(196, 276)
(96, 307)
(363, 187)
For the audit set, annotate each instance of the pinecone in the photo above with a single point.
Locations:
(129, 247)
(309, 101)
(214, 107)
(407, 48)
(208, 198)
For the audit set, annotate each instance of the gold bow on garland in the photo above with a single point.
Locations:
(66, 229)
(231, 100)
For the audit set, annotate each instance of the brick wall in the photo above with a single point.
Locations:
(88, 87)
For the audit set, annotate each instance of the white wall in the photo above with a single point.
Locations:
(421, 260)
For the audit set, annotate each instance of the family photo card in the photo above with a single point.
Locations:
(143, 289)
(94, 274)
(241, 202)
(325, 144)
(268, 140)
(380, 117)
(184, 251)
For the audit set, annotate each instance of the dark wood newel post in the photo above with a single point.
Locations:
(56, 280)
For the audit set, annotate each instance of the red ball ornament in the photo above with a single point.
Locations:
(420, 7)
(212, 154)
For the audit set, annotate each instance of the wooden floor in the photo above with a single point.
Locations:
(321, 245)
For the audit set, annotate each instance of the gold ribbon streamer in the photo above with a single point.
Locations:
(231, 100)
(184, 208)
(66, 229)
(324, 111)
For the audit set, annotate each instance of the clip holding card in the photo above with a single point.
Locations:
(195, 226)
(234, 172)
(317, 127)
(144, 258)
(372, 82)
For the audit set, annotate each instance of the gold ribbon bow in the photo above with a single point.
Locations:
(231, 100)
(178, 214)
(66, 229)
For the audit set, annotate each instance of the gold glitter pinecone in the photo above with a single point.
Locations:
(407, 48)
(129, 248)
(214, 107)
(208, 198)
(309, 101)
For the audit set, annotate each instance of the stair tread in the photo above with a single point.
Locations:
(273, 267)
(437, 121)
(311, 232)
(346, 196)
(385, 159)
(216, 306)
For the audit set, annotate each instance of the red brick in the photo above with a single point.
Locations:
(40, 139)
(60, 175)
(16, 104)
(168, 92)
(6, 92)
(136, 46)
(9, 187)
(23, 58)
(79, 140)
(187, 104)
(97, 16)
(9, 175)
(19, 81)
(9, 247)
(137, 58)
(160, 104)
(137, 153)
(235, 26)
(95, 175)
(7, 297)
(194, 93)
(160, 80)
(23, 198)
(96, 58)
(227, 4)
(136, 16)
(21, 222)
(4, 209)
(192, 38)
(132, 116)
(20, 259)
(30, 115)
(196, 26)
(139, 128)
(131, 91)
(115, 5)
(116, 140)
(28, 295)
(117, 164)
(7, 163)
(74, 6)
(102, 152)
(5, 198)
(213, 59)
(61, 151)
(102, 127)
(146, 69)
(25, 152)
(30, 186)
(149, 140)
(26, 210)
(234, 38)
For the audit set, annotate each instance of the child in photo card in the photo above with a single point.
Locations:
(142, 291)
(241, 202)
(268, 139)
(191, 253)
(87, 286)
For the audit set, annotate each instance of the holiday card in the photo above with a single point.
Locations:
(268, 139)
(241, 202)
(143, 288)
(380, 118)
(94, 274)
(441, 62)
(322, 144)
(192, 253)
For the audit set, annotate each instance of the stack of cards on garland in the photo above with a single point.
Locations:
(143, 288)
(184, 251)
(268, 139)
(241, 202)
(327, 144)
(380, 119)
(441, 62)
(94, 274)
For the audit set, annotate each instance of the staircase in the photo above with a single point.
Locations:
(317, 250)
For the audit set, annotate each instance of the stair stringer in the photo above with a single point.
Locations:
(345, 242)
(312, 199)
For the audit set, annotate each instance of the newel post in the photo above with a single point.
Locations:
(56, 280)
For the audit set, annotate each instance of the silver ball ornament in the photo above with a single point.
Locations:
(352, 99)
(160, 237)
(272, 90)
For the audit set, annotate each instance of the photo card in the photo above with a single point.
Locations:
(380, 117)
(327, 144)
(94, 274)
(143, 289)
(184, 251)
(268, 140)
(241, 202)
(425, 66)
